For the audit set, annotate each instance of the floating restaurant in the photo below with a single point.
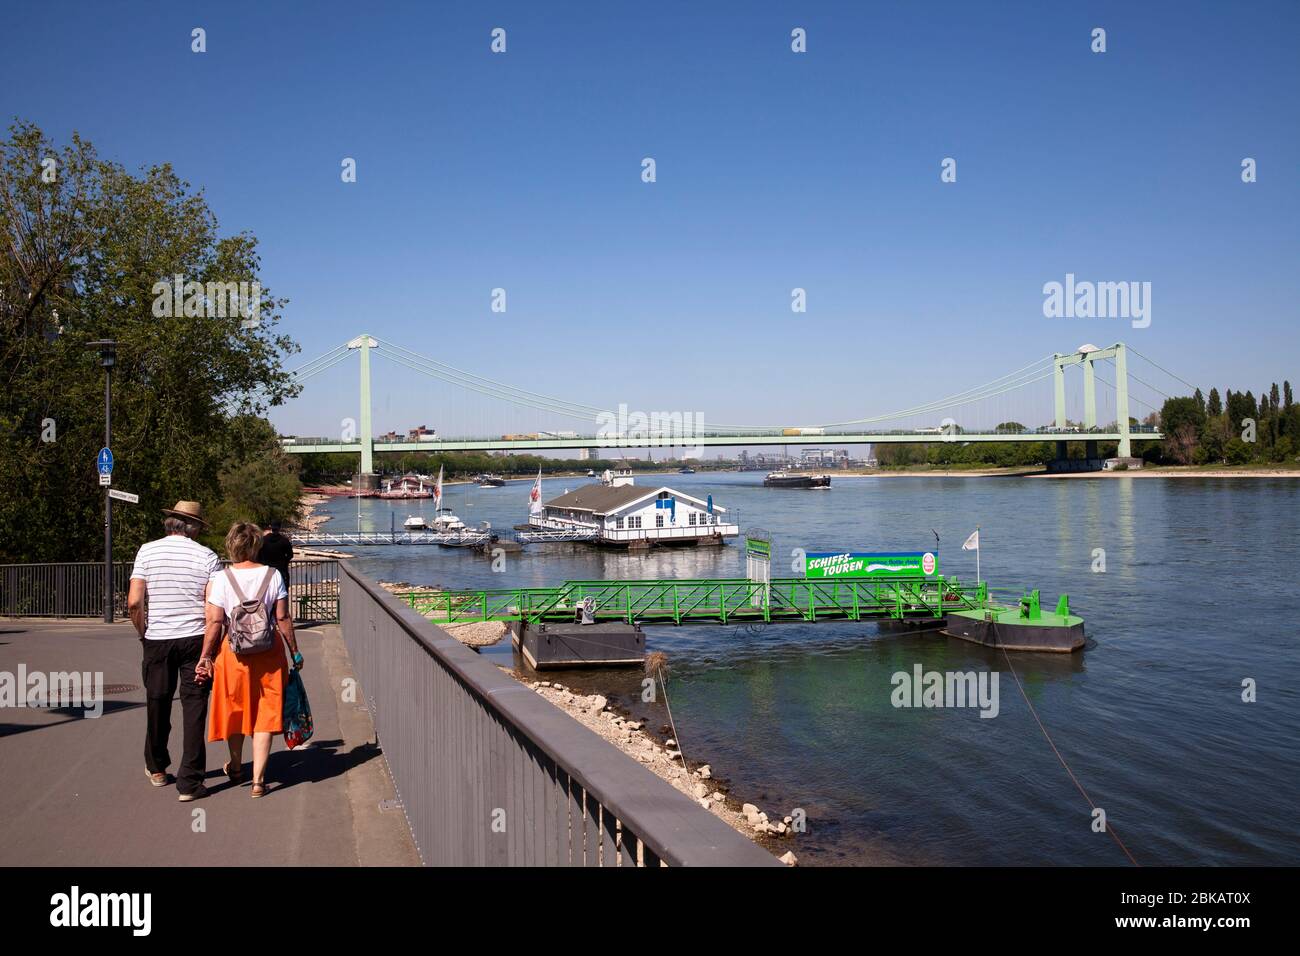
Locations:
(625, 516)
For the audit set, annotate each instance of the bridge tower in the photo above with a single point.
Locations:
(1086, 356)
(366, 476)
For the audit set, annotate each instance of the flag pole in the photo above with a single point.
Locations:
(977, 555)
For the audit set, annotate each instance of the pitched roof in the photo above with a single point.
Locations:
(599, 499)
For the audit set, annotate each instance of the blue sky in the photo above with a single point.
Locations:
(775, 170)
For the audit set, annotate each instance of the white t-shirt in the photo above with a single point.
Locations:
(175, 570)
(250, 579)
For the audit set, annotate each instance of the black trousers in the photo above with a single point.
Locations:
(169, 665)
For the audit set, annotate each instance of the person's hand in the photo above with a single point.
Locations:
(297, 660)
(203, 671)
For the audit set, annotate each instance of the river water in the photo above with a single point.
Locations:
(1199, 593)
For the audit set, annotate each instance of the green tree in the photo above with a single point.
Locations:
(80, 257)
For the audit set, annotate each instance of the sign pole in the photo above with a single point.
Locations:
(107, 358)
(108, 499)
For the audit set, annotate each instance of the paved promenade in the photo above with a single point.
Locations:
(75, 792)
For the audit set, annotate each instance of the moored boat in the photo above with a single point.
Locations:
(408, 486)
(1024, 628)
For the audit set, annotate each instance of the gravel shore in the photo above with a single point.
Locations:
(772, 832)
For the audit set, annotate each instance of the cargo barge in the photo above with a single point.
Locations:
(787, 479)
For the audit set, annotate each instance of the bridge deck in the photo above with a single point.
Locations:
(722, 600)
(311, 446)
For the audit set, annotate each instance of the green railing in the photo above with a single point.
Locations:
(722, 600)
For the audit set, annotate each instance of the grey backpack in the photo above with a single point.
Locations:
(250, 629)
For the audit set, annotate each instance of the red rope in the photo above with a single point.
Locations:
(1048, 737)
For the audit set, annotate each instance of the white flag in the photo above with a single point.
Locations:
(535, 495)
(973, 542)
(437, 491)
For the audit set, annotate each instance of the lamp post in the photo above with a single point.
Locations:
(107, 358)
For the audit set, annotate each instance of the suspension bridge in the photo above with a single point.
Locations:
(650, 433)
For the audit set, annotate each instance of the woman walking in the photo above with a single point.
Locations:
(248, 605)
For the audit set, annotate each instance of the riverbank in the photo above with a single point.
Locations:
(665, 761)
(1183, 471)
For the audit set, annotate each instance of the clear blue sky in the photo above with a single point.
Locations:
(775, 170)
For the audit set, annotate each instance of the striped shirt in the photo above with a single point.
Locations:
(175, 570)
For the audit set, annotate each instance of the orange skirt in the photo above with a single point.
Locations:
(247, 693)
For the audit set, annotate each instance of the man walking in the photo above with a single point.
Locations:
(276, 551)
(166, 602)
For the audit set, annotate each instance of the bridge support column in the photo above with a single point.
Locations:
(1058, 376)
(1121, 400)
(1089, 394)
(367, 480)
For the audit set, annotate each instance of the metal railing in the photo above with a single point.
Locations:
(724, 600)
(489, 773)
(314, 590)
(76, 589)
(62, 589)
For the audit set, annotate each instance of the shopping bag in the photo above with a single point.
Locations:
(297, 712)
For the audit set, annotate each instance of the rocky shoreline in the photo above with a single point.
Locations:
(664, 760)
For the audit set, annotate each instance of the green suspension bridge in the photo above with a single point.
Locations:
(360, 439)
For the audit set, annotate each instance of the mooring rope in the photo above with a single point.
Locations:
(1050, 743)
(671, 723)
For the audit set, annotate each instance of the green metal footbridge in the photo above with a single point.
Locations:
(717, 600)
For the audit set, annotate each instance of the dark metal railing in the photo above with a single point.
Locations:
(65, 589)
(314, 591)
(489, 773)
(76, 589)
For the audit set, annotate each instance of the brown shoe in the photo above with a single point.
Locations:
(158, 779)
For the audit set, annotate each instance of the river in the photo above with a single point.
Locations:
(1199, 593)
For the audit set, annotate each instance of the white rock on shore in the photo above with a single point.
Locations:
(630, 737)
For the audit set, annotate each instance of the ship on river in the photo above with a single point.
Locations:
(790, 479)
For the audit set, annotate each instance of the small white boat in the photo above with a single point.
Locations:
(415, 523)
(446, 523)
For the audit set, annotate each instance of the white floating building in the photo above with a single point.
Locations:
(626, 516)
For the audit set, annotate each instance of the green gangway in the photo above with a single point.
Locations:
(718, 600)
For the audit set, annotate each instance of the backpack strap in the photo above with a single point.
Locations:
(266, 583)
(235, 586)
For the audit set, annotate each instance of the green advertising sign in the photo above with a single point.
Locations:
(758, 547)
(856, 564)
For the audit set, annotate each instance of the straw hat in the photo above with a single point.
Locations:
(189, 510)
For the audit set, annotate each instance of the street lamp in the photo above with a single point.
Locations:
(107, 359)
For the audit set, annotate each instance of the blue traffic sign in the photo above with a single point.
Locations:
(105, 461)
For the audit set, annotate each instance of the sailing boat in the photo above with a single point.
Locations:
(443, 519)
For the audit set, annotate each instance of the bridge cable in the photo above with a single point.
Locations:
(946, 404)
(1163, 369)
(951, 400)
(451, 371)
(513, 399)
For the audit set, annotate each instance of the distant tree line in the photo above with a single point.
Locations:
(1235, 429)
(339, 467)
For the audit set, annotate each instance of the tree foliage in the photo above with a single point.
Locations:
(79, 259)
